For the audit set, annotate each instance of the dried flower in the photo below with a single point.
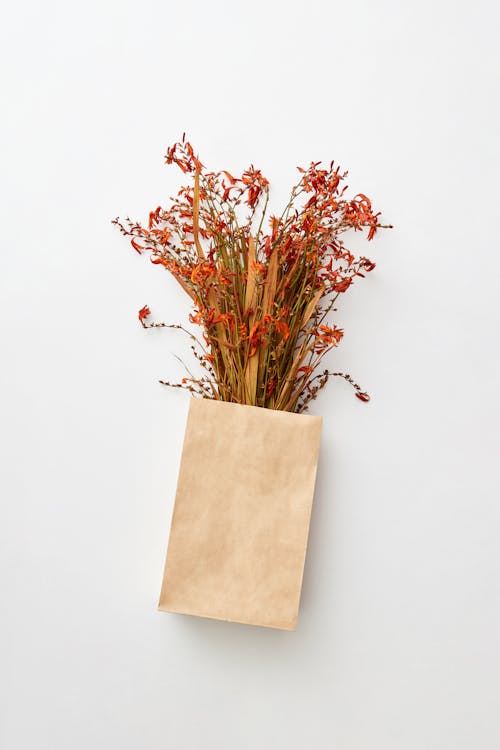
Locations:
(144, 313)
(261, 298)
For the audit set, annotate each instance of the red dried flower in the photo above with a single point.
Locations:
(261, 290)
(144, 313)
(362, 396)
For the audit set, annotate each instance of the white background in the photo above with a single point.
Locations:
(397, 646)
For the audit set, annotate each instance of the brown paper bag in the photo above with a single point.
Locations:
(241, 518)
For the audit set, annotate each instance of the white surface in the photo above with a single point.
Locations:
(397, 646)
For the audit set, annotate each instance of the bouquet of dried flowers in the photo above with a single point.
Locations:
(262, 288)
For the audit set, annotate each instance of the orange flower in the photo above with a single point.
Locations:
(201, 272)
(283, 328)
(367, 264)
(197, 318)
(225, 195)
(362, 396)
(259, 267)
(144, 313)
(342, 285)
(255, 337)
(326, 337)
(196, 274)
(226, 318)
(229, 176)
(163, 235)
(335, 334)
(154, 217)
(160, 260)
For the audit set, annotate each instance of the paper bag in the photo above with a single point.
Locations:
(241, 518)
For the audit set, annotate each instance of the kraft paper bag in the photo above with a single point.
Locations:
(241, 518)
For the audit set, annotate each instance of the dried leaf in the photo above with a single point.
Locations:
(252, 367)
(251, 275)
(196, 215)
(270, 284)
(311, 307)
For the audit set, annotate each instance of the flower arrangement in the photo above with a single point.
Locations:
(262, 287)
